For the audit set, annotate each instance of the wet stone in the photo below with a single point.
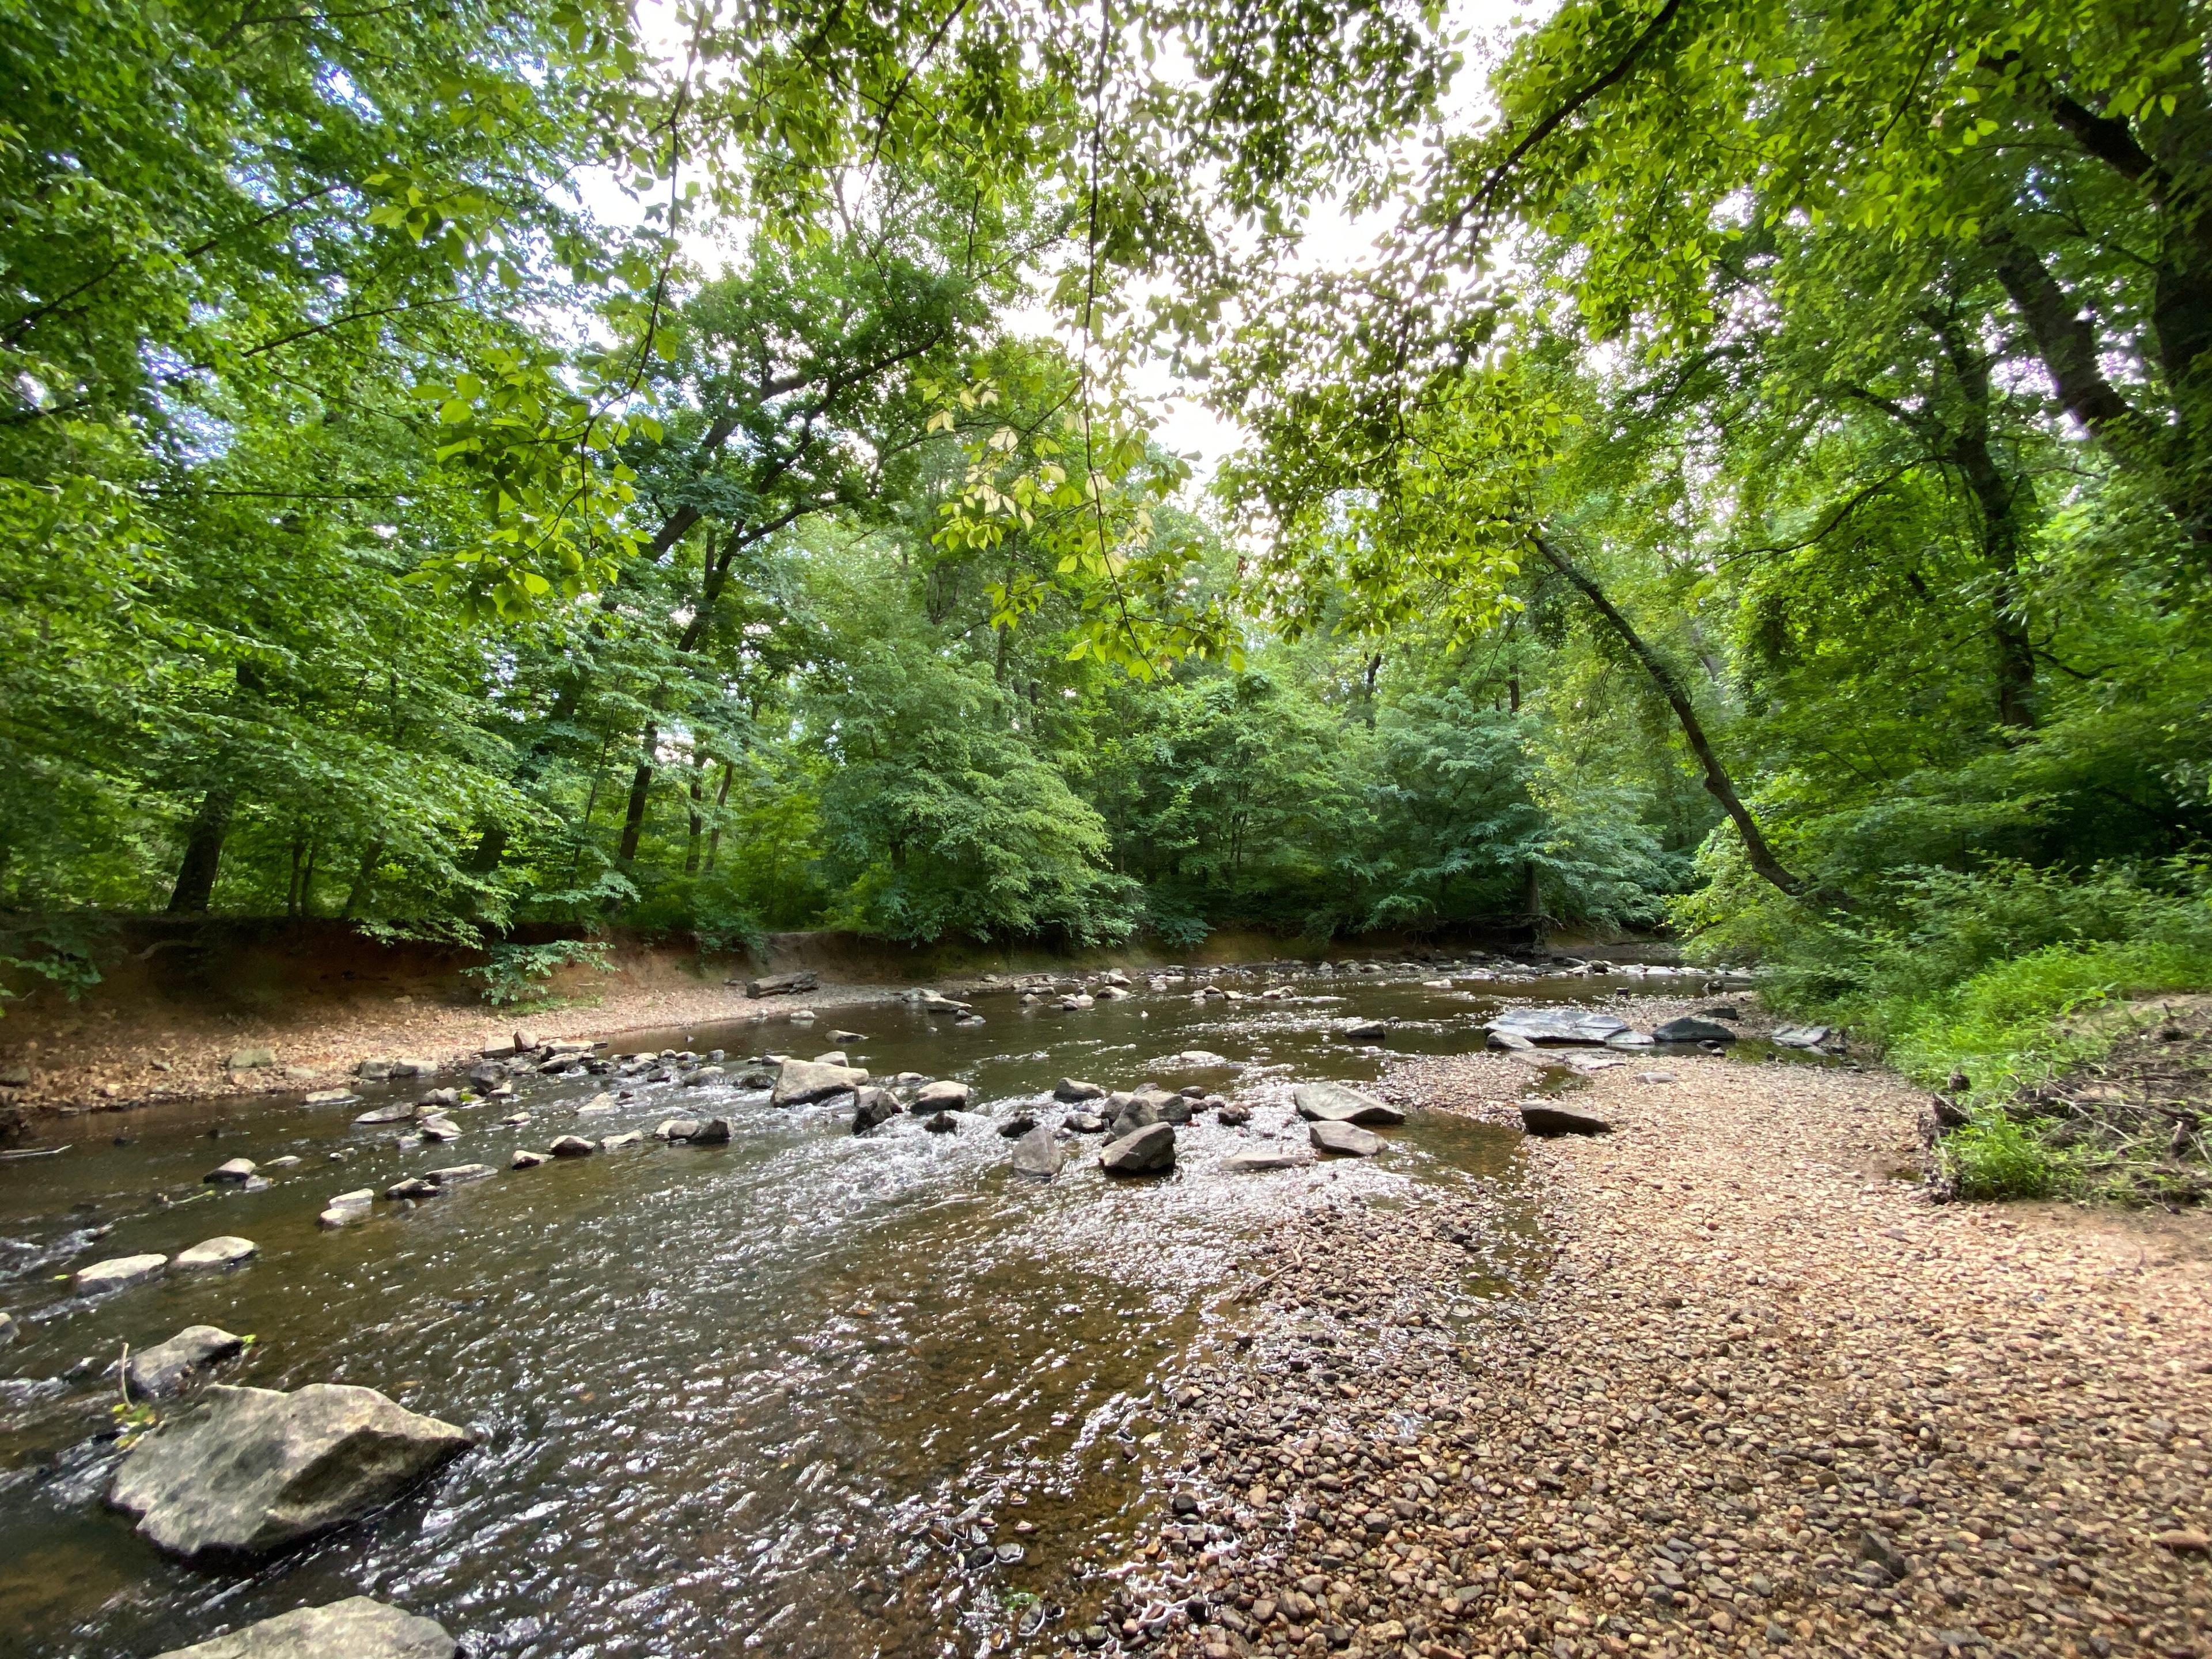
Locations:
(1038, 1154)
(1146, 1151)
(1347, 1139)
(1560, 1121)
(356, 1628)
(214, 1254)
(236, 1173)
(117, 1273)
(872, 1107)
(573, 1147)
(168, 1369)
(1339, 1103)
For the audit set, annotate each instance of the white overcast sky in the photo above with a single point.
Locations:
(1332, 239)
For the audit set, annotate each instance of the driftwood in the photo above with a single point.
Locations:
(782, 984)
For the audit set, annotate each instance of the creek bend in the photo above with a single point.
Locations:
(723, 1392)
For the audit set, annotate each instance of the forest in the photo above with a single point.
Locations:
(1734, 467)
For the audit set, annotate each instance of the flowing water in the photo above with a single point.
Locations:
(723, 1392)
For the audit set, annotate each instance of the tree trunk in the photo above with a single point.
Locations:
(195, 875)
(641, 785)
(364, 881)
(1717, 781)
(691, 844)
(722, 799)
(1531, 896)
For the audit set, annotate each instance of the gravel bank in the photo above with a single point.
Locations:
(112, 1066)
(1760, 1396)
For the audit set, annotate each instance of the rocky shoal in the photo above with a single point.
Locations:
(1758, 1395)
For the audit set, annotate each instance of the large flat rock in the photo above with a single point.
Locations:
(1559, 1121)
(248, 1472)
(1278, 1155)
(356, 1628)
(1347, 1139)
(1559, 1025)
(1340, 1102)
(803, 1081)
(117, 1273)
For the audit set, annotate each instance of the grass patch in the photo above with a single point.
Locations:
(1993, 1157)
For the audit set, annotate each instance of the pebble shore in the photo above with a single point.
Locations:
(1754, 1393)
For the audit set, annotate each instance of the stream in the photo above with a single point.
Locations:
(723, 1392)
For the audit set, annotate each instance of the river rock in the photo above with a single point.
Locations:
(1689, 1030)
(1014, 1127)
(1145, 1150)
(778, 985)
(1073, 1090)
(1084, 1123)
(1177, 1111)
(615, 1142)
(1234, 1115)
(1803, 1037)
(455, 1175)
(414, 1068)
(573, 1147)
(117, 1273)
(332, 1097)
(1039, 1153)
(1367, 1031)
(712, 1131)
(251, 1060)
(676, 1128)
(1276, 1155)
(1558, 1025)
(373, 1070)
(1630, 1040)
(1198, 1057)
(439, 1130)
(414, 1186)
(602, 1101)
(1076, 1003)
(1330, 1135)
(9, 1330)
(872, 1107)
(347, 1208)
(525, 1159)
(1558, 1121)
(1340, 1102)
(1509, 1041)
(236, 1173)
(1110, 993)
(438, 1100)
(356, 1628)
(943, 1124)
(213, 1254)
(164, 1371)
(394, 1114)
(248, 1472)
(945, 1095)
(801, 1082)
(835, 1057)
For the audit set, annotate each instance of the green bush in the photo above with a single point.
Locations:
(1993, 1157)
(518, 973)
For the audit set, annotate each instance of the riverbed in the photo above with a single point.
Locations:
(807, 1393)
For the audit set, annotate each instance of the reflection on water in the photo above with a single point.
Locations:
(804, 1394)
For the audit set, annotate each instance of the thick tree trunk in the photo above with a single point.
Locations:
(641, 785)
(721, 801)
(196, 875)
(1717, 781)
(364, 881)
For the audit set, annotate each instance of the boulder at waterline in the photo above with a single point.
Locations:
(247, 1472)
(414, 1187)
(454, 1174)
(1084, 1123)
(872, 1107)
(943, 1124)
(842, 1038)
(615, 1142)
(525, 1159)
(714, 1132)
(1198, 1057)
(251, 1060)
(1688, 1030)
(356, 1628)
(236, 1173)
(213, 1254)
(676, 1128)
(1340, 1102)
(1367, 1031)
(1073, 1090)
(1014, 1127)
(801, 1082)
(1275, 1154)
(1348, 1140)
(1511, 1041)
(702, 1076)
(1038, 1154)
(117, 1273)
(834, 1057)
(164, 1371)
(332, 1097)
(1803, 1037)
(945, 1095)
(394, 1114)
(1146, 1151)
(573, 1147)
(1177, 1111)
(1558, 1121)
(1233, 1114)
(439, 1130)
(347, 1208)
(1558, 1026)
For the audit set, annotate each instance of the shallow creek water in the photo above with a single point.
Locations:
(721, 1390)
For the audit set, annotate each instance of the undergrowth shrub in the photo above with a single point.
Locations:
(1993, 1157)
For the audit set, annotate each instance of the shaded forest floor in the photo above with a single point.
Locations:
(1767, 1398)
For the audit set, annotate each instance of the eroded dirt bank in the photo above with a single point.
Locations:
(1767, 1398)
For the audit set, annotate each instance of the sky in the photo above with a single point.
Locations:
(1333, 239)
